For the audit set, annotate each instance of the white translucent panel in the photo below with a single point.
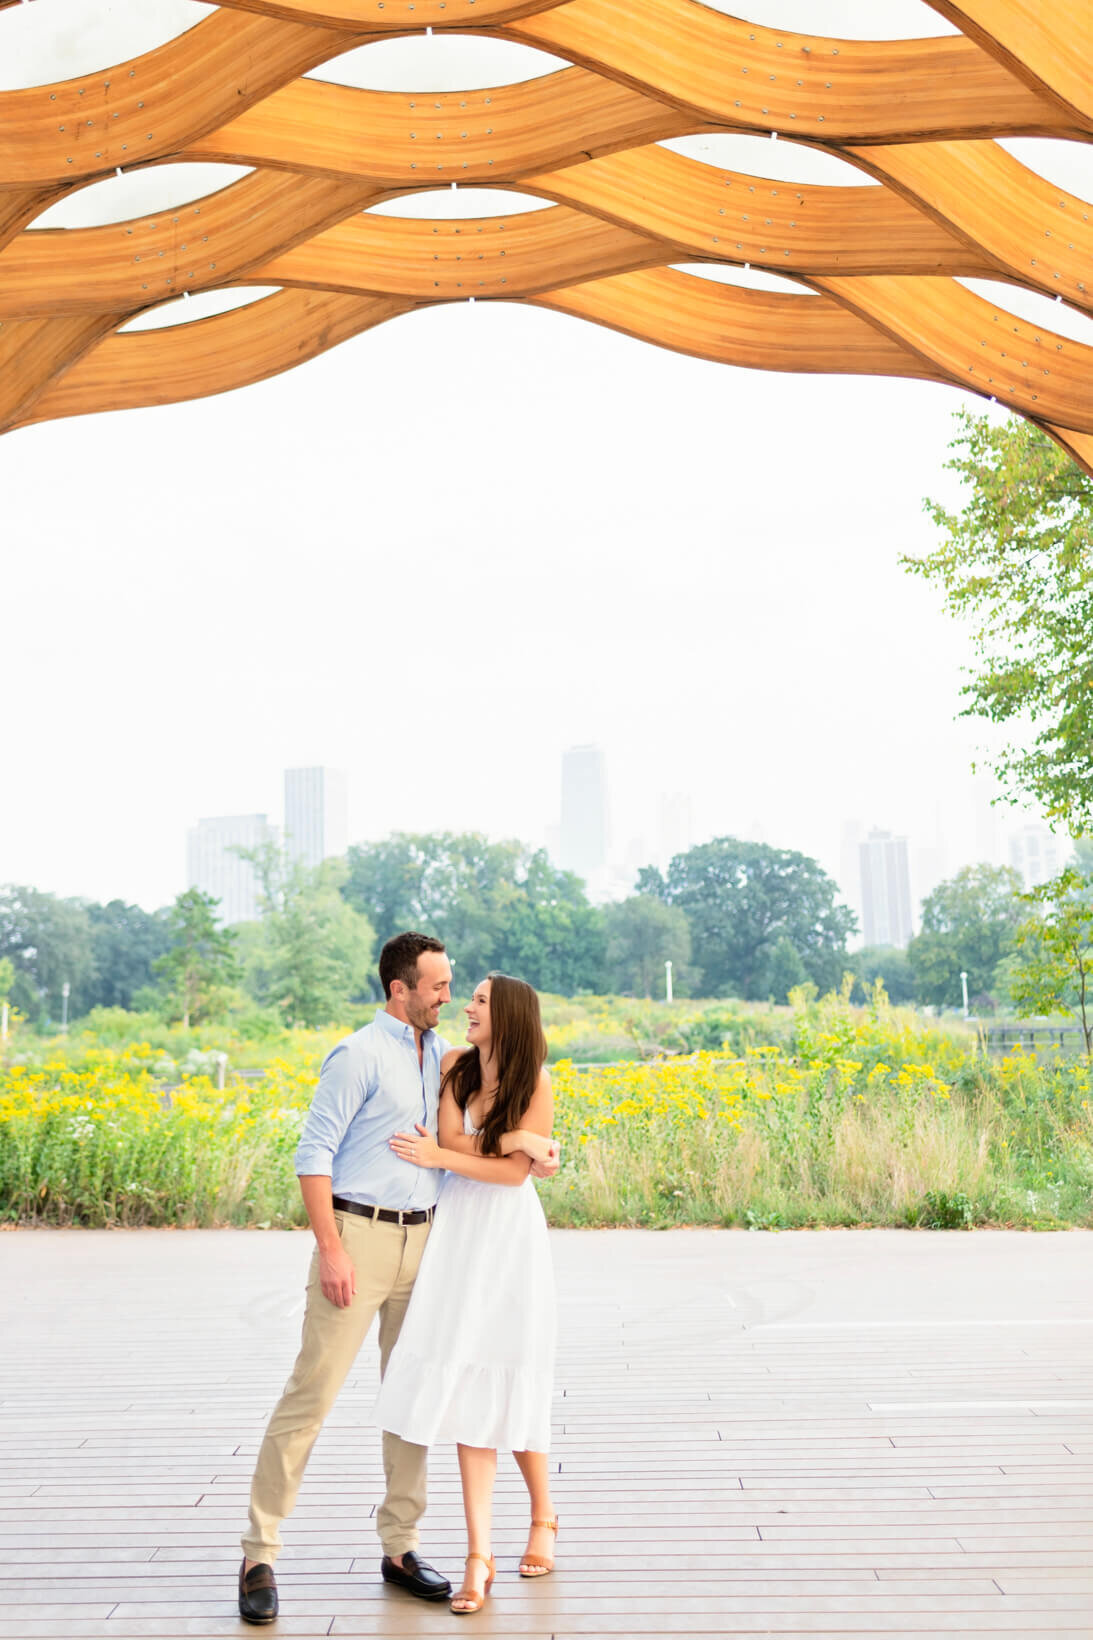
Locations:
(1068, 165)
(438, 62)
(62, 39)
(470, 202)
(139, 193)
(778, 159)
(1033, 308)
(184, 310)
(744, 278)
(842, 19)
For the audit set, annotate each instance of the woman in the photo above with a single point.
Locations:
(474, 1361)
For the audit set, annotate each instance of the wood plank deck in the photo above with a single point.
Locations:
(851, 1433)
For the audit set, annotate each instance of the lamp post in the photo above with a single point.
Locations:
(65, 989)
(667, 982)
(964, 988)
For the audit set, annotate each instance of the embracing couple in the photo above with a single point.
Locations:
(465, 1299)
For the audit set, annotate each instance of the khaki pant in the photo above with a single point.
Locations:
(386, 1259)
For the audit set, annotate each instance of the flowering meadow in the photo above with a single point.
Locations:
(700, 1114)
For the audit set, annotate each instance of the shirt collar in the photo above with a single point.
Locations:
(399, 1028)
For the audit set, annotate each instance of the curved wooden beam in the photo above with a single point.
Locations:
(156, 103)
(1048, 44)
(917, 115)
(211, 355)
(753, 78)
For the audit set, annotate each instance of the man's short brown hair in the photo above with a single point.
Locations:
(398, 959)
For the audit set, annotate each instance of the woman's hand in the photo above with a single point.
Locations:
(535, 1145)
(418, 1147)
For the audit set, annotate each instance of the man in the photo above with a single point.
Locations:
(370, 1213)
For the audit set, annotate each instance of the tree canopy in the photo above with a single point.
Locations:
(968, 925)
(1017, 564)
(740, 899)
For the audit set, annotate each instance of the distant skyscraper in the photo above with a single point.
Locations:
(316, 820)
(886, 889)
(583, 842)
(213, 865)
(1037, 854)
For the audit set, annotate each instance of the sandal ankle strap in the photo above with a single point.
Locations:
(553, 1524)
(487, 1560)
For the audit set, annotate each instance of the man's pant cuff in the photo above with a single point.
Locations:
(401, 1546)
(263, 1553)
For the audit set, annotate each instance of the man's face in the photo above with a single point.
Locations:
(432, 991)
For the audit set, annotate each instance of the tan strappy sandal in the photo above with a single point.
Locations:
(539, 1565)
(476, 1600)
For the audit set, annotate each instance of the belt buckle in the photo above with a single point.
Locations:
(401, 1217)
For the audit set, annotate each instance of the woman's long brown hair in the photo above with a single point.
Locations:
(517, 1047)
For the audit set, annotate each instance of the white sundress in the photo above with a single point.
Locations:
(474, 1361)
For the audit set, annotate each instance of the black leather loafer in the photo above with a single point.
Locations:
(257, 1594)
(415, 1577)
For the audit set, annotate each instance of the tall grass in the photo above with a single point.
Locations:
(848, 1116)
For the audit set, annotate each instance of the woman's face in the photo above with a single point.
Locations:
(478, 1018)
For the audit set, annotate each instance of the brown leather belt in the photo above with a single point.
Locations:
(387, 1215)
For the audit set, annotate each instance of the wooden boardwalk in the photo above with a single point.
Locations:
(861, 1433)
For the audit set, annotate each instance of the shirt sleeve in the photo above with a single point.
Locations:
(342, 1090)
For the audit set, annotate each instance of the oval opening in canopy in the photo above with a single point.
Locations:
(441, 203)
(139, 193)
(1033, 308)
(206, 304)
(438, 62)
(778, 160)
(716, 273)
(841, 19)
(1067, 165)
(42, 44)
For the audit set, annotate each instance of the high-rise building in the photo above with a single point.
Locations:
(885, 889)
(214, 866)
(583, 843)
(1037, 854)
(316, 815)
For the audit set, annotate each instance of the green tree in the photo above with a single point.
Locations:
(1017, 564)
(740, 899)
(888, 964)
(48, 942)
(547, 933)
(7, 978)
(784, 970)
(199, 965)
(495, 905)
(968, 925)
(1053, 970)
(315, 951)
(642, 935)
(126, 942)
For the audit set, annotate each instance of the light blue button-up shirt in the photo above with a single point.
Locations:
(370, 1087)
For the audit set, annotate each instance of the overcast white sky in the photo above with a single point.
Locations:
(445, 551)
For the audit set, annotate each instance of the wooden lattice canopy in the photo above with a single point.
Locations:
(880, 265)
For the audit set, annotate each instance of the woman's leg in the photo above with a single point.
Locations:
(534, 1466)
(477, 1468)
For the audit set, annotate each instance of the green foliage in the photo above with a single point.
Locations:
(740, 899)
(642, 935)
(495, 905)
(312, 952)
(785, 970)
(888, 964)
(969, 924)
(126, 942)
(1018, 565)
(7, 977)
(945, 1210)
(48, 941)
(199, 964)
(1054, 966)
